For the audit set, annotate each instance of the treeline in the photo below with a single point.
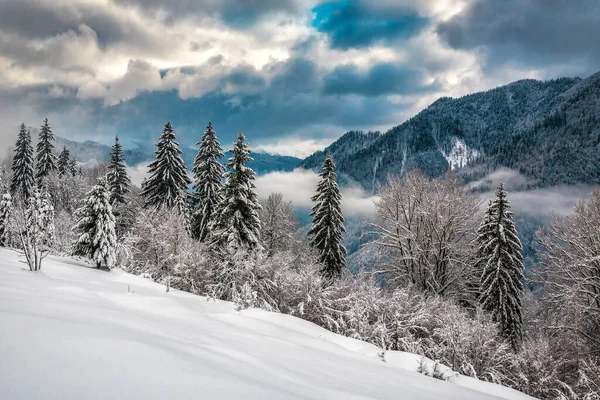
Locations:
(450, 286)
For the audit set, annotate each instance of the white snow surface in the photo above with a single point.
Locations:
(461, 154)
(72, 332)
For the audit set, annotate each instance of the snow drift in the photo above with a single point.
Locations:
(73, 332)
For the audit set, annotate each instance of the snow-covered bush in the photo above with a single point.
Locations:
(535, 370)
(5, 210)
(33, 226)
(64, 234)
(158, 245)
(295, 283)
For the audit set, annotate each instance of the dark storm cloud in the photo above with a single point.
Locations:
(533, 32)
(291, 101)
(381, 79)
(31, 19)
(295, 75)
(240, 13)
(245, 76)
(353, 24)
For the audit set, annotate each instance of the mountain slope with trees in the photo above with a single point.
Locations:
(262, 162)
(549, 131)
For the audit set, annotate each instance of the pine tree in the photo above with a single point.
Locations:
(72, 168)
(167, 183)
(484, 233)
(96, 227)
(237, 224)
(501, 281)
(23, 177)
(117, 175)
(208, 175)
(45, 160)
(64, 160)
(328, 223)
(5, 207)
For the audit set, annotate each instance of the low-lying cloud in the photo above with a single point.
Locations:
(542, 203)
(300, 185)
(539, 203)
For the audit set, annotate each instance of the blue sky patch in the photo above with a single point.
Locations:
(351, 24)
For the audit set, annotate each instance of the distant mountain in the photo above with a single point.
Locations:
(548, 131)
(263, 163)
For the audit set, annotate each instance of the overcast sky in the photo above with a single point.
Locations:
(293, 75)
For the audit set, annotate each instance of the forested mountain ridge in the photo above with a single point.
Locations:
(549, 131)
(262, 162)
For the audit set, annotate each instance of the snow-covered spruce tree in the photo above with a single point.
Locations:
(208, 175)
(5, 207)
(64, 159)
(96, 227)
(485, 233)
(501, 281)
(45, 160)
(167, 183)
(23, 172)
(73, 170)
(328, 223)
(117, 175)
(236, 224)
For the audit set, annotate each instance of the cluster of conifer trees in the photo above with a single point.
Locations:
(222, 209)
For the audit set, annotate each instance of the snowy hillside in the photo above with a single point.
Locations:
(73, 332)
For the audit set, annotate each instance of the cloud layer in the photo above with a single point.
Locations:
(283, 71)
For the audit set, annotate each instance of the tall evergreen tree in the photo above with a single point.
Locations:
(64, 160)
(484, 233)
(45, 160)
(5, 208)
(328, 223)
(23, 172)
(117, 175)
(208, 175)
(236, 223)
(167, 184)
(96, 227)
(72, 168)
(501, 280)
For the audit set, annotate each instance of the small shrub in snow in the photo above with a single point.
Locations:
(5, 209)
(33, 225)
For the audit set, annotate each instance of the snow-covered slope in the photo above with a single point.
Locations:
(72, 332)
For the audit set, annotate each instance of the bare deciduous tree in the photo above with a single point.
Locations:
(570, 270)
(427, 228)
(278, 223)
(33, 225)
